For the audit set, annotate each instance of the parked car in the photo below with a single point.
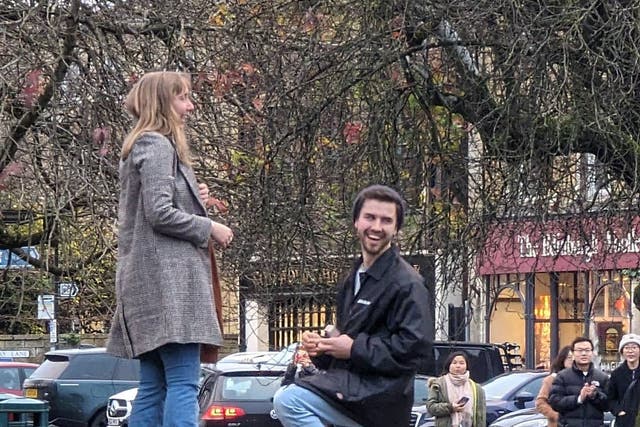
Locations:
(528, 417)
(120, 404)
(511, 392)
(420, 417)
(240, 395)
(13, 374)
(77, 384)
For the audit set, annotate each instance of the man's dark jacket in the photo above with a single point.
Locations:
(392, 328)
(623, 396)
(565, 390)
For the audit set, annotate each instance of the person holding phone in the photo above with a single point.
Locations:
(454, 398)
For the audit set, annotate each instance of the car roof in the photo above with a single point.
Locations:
(18, 365)
(524, 373)
(76, 351)
(260, 368)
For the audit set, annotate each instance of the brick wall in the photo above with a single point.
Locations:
(38, 345)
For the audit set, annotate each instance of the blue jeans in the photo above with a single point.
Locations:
(168, 391)
(297, 406)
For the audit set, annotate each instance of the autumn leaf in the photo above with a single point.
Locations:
(310, 21)
(220, 205)
(397, 25)
(221, 16)
(101, 135)
(12, 169)
(104, 150)
(33, 88)
(248, 69)
(352, 132)
(258, 102)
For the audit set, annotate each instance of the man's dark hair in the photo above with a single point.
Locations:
(383, 194)
(581, 339)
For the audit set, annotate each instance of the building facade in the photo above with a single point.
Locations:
(549, 282)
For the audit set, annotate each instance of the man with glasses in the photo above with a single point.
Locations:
(623, 390)
(578, 393)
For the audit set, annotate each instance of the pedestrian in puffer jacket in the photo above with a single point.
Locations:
(578, 393)
(624, 388)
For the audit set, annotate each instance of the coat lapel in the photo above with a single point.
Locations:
(190, 177)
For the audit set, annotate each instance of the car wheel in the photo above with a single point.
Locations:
(100, 420)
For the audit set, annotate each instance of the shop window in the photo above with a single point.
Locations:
(609, 335)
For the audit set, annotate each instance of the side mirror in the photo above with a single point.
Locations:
(522, 398)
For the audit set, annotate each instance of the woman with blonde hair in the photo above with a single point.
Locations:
(454, 398)
(164, 312)
(563, 360)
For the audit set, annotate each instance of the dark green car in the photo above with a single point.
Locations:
(77, 384)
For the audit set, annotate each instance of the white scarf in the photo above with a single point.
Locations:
(458, 386)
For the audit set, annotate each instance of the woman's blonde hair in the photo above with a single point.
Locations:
(150, 102)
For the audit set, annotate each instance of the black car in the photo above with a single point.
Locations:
(420, 417)
(529, 417)
(511, 392)
(485, 359)
(77, 384)
(240, 396)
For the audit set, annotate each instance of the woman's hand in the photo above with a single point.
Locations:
(458, 407)
(221, 234)
(203, 191)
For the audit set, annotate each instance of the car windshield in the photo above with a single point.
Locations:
(10, 378)
(240, 388)
(420, 391)
(498, 387)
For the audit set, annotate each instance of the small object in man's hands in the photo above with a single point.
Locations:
(595, 383)
(330, 331)
(463, 400)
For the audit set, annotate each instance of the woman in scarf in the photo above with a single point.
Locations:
(455, 399)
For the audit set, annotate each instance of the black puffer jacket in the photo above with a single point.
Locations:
(623, 396)
(564, 397)
(392, 330)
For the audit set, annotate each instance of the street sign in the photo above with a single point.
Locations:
(53, 331)
(10, 260)
(67, 289)
(14, 353)
(46, 307)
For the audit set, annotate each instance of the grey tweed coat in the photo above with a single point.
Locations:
(163, 275)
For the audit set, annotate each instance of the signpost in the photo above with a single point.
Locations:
(67, 289)
(11, 260)
(14, 353)
(53, 331)
(46, 307)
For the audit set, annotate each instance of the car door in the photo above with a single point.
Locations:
(525, 396)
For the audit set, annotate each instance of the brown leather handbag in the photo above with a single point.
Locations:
(209, 352)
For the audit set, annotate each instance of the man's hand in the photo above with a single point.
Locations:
(587, 391)
(338, 347)
(310, 342)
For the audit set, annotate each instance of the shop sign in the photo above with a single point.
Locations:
(569, 245)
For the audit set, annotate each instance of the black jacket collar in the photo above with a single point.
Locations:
(382, 263)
